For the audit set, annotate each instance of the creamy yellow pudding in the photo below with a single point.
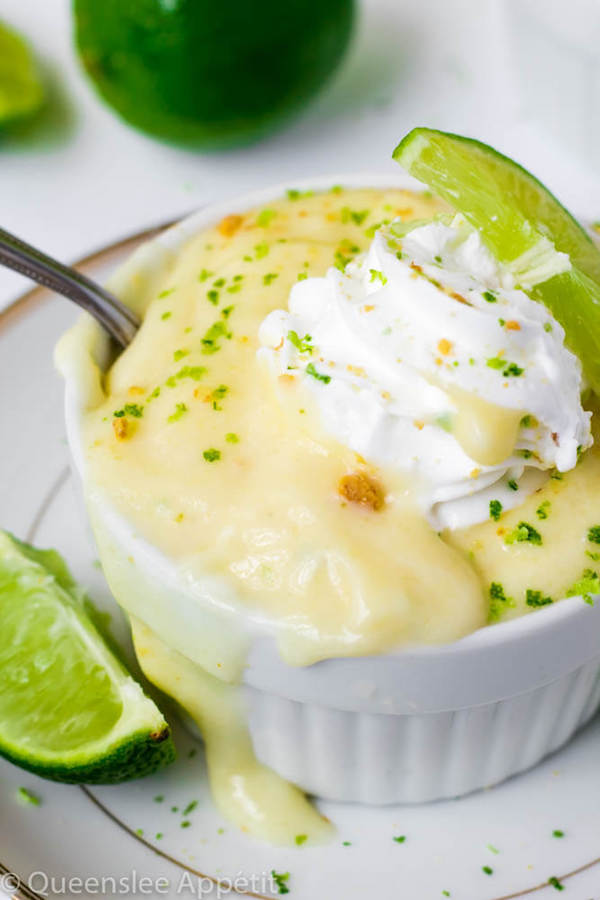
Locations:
(231, 472)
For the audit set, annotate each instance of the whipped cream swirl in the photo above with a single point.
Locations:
(424, 356)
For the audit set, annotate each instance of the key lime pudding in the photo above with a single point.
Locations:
(344, 482)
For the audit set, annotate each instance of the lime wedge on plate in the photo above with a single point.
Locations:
(69, 711)
(21, 89)
(517, 216)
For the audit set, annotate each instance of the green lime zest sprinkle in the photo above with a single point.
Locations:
(218, 394)
(487, 869)
(213, 297)
(166, 315)
(165, 293)
(196, 373)
(508, 369)
(205, 274)
(492, 849)
(346, 843)
(548, 326)
(344, 254)
(261, 250)
(301, 839)
(180, 410)
(212, 454)
(302, 276)
(376, 275)
(588, 584)
(370, 231)
(185, 824)
(302, 345)
(543, 510)
(593, 534)
(489, 296)
(294, 194)
(192, 752)
(211, 340)
(445, 893)
(357, 216)
(232, 438)
(557, 833)
(529, 421)
(158, 836)
(159, 798)
(336, 189)
(219, 282)
(190, 808)
(513, 485)
(524, 533)
(310, 370)
(501, 322)
(281, 881)
(513, 369)
(400, 838)
(269, 278)
(179, 354)
(234, 288)
(536, 598)
(139, 832)
(495, 510)
(27, 796)
(130, 409)
(265, 216)
(499, 602)
(553, 880)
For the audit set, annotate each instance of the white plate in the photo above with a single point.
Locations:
(92, 833)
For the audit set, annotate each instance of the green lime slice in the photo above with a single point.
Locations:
(21, 89)
(517, 218)
(69, 711)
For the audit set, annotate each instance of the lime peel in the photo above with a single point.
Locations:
(69, 711)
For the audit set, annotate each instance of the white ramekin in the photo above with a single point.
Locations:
(420, 724)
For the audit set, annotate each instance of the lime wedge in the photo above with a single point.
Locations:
(69, 711)
(21, 89)
(519, 219)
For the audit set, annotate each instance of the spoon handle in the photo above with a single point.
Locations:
(120, 322)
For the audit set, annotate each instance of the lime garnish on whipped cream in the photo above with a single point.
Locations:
(523, 225)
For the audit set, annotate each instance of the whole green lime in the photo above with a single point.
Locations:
(210, 73)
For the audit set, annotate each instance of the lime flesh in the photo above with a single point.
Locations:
(68, 709)
(21, 90)
(514, 213)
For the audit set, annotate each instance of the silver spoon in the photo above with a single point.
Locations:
(120, 322)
